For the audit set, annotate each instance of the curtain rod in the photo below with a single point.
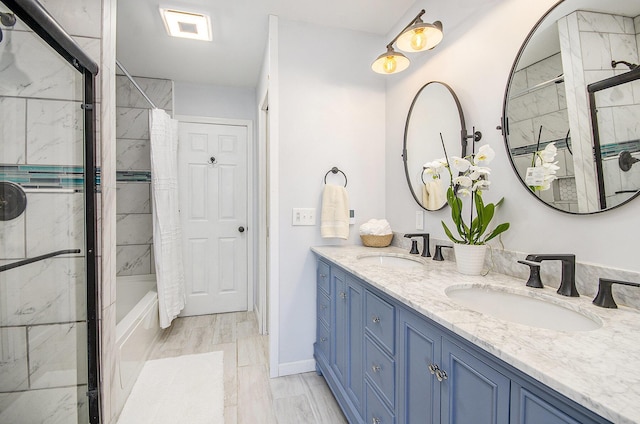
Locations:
(135, 84)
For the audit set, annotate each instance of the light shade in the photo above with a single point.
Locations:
(390, 62)
(195, 26)
(420, 36)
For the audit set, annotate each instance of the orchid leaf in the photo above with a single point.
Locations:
(497, 231)
(449, 234)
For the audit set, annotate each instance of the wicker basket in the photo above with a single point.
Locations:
(376, 241)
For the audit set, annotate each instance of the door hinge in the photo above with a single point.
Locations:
(87, 106)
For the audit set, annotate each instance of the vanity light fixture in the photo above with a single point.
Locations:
(415, 37)
(196, 26)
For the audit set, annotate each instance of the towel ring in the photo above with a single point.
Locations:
(335, 170)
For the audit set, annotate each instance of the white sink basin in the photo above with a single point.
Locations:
(528, 308)
(391, 261)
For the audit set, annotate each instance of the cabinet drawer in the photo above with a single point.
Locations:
(322, 342)
(324, 308)
(377, 413)
(380, 321)
(381, 371)
(323, 278)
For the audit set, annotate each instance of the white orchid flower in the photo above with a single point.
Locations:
(481, 185)
(550, 167)
(549, 153)
(463, 181)
(460, 164)
(478, 171)
(463, 192)
(485, 155)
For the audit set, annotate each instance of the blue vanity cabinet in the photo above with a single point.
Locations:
(441, 382)
(419, 390)
(323, 308)
(472, 391)
(347, 353)
(387, 364)
(532, 403)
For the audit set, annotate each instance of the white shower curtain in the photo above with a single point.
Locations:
(167, 232)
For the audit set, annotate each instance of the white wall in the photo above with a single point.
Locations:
(475, 58)
(214, 101)
(331, 113)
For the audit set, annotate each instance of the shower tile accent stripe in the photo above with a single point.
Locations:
(53, 176)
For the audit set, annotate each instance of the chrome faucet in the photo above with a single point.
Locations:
(425, 244)
(568, 281)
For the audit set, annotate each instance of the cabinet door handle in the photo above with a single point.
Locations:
(376, 420)
(375, 319)
(343, 295)
(323, 276)
(323, 307)
(376, 368)
(323, 339)
(440, 374)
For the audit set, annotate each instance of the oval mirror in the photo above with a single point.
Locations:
(571, 87)
(435, 116)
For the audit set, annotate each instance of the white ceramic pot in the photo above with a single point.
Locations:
(470, 258)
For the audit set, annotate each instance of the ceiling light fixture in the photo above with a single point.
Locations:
(415, 37)
(195, 26)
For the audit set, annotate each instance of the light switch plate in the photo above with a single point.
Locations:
(419, 220)
(303, 216)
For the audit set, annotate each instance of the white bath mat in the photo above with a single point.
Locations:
(184, 389)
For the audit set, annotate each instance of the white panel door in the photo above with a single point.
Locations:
(213, 211)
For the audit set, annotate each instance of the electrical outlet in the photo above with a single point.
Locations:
(304, 216)
(419, 220)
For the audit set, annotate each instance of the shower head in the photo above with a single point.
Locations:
(7, 19)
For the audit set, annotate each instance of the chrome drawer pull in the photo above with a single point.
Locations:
(323, 307)
(343, 295)
(376, 420)
(375, 319)
(435, 370)
(323, 276)
(376, 368)
(323, 339)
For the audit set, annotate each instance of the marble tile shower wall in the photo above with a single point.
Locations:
(133, 162)
(531, 109)
(506, 262)
(42, 305)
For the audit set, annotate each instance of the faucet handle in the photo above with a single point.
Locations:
(604, 298)
(438, 255)
(534, 273)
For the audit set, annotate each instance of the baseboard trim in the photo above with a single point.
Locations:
(298, 367)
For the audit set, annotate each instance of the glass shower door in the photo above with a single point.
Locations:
(43, 237)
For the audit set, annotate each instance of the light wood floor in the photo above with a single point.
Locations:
(251, 397)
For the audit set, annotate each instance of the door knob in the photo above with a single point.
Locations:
(241, 229)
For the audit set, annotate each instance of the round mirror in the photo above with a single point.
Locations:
(571, 108)
(435, 117)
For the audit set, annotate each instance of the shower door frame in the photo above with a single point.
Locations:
(44, 25)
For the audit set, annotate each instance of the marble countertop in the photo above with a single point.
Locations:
(599, 369)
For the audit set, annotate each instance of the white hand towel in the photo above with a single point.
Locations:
(433, 195)
(335, 212)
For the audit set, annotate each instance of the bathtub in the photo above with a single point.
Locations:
(137, 328)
